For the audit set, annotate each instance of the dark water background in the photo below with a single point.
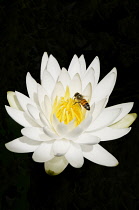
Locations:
(106, 28)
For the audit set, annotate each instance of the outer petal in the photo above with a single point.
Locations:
(22, 145)
(86, 138)
(96, 66)
(24, 100)
(20, 117)
(35, 114)
(99, 106)
(105, 86)
(99, 155)
(35, 134)
(56, 165)
(125, 122)
(60, 147)
(31, 87)
(109, 133)
(43, 153)
(44, 63)
(126, 107)
(74, 66)
(74, 155)
(12, 100)
(106, 118)
(53, 67)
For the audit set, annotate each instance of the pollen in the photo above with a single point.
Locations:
(67, 109)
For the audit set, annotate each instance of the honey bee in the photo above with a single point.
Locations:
(81, 101)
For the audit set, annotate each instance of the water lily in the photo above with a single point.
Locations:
(57, 128)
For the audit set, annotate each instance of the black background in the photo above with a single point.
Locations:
(106, 28)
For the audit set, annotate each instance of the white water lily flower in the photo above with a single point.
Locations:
(59, 130)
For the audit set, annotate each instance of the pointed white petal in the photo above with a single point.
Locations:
(12, 100)
(44, 63)
(48, 83)
(99, 155)
(105, 119)
(125, 122)
(35, 133)
(110, 133)
(87, 92)
(75, 85)
(74, 155)
(86, 138)
(105, 86)
(82, 65)
(41, 94)
(48, 107)
(74, 66)
(58, 91)
(64, 78)
(60, 147)
(96, 66)
(126, 107)
(31, 88)
(24, 100)
(55, 166)
(88, 78)
(44, 152)
(20, 117)
(22, 145)
(53, 67)
(99, 106)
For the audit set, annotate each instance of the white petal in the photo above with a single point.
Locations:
(35, 114)
(12, 100)
(74, 155)
(60, 147)
(53, 67)
(105, 86)
(75, 85)
(126, 107)
(20, 117)
(99, 155)
(41, 94)
(88, 78)
(105, 119)
(74, 66)
(87, 92)
(96, 66)
(82, 65)
(125, 122)
(55, 166)
(99, 106)
(58, 91)
(109, 133)
(44, 152)
(35, 133)
(44, 63)
(48, 83)
(86, 138)
(24, 100)
(48, 107)
(31, 88)
(50, 133)
(80, 128)
(64, 78)
(22, 145)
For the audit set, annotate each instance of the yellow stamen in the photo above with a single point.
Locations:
(66, 109)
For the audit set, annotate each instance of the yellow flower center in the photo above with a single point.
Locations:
(67, 109)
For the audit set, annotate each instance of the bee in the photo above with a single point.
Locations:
(81, 101)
